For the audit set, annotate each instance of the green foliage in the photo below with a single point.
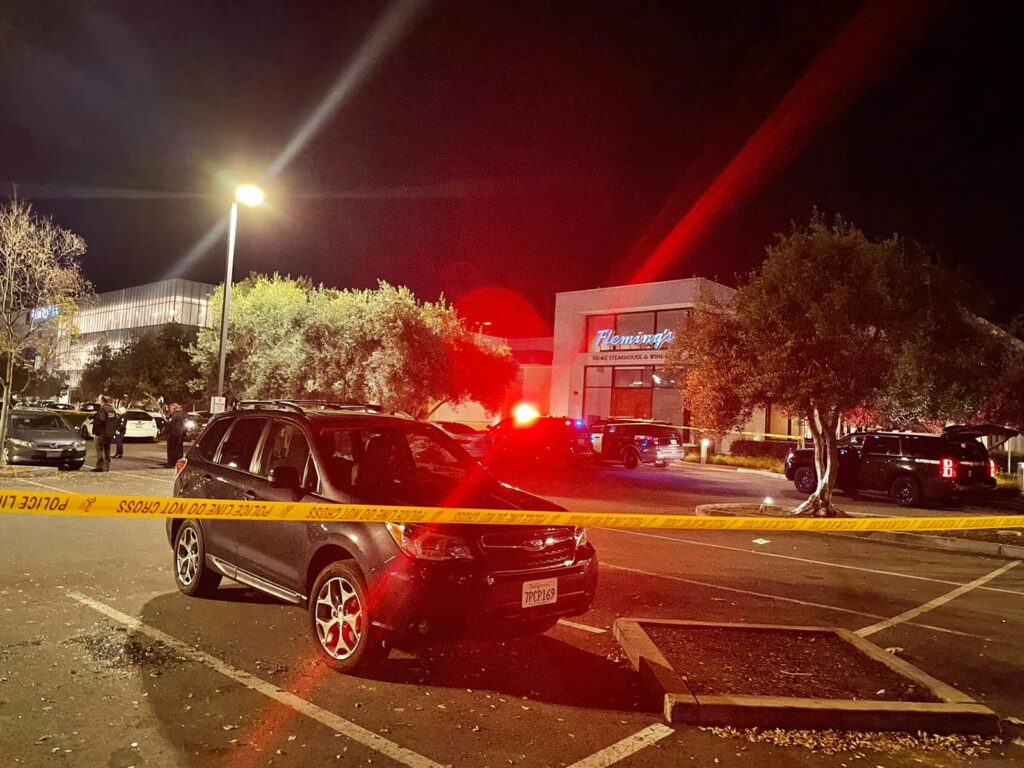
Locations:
(832, 326)
(38, 269)
(747, 462)
(154, 365)
(290, 339)
(775, 449)
(265, 342)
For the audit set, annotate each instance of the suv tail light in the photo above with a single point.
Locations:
(179, 465)
(948, 468)
(993, 470)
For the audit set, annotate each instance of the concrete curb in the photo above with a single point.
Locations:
(920, 540)
(740, 470)
(954, 713)
(762, 472)
(33, 472)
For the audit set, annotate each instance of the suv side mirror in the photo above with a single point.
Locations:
(285, 476)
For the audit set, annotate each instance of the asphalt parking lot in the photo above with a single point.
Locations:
(104, 663)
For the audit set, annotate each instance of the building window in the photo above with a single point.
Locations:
(632, 391)
(624, 377)
(634, 324)
(595, 324)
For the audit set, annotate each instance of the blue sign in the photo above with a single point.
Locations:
(44, 313)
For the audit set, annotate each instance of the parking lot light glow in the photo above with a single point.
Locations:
(705, 443)
(249, 194)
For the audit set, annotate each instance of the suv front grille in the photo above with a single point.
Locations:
(528, 550)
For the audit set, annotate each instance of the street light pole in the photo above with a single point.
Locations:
(252, 196)
(232, 230)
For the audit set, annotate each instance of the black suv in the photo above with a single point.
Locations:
(909, 467)
(550, 441)
(637, 441)
(368, 586)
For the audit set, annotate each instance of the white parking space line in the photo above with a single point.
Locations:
(583, 627)
(41, 485)
(825, 563)
(782, 598)
(339, 724)
(141, 477)
(630, 745)
(940, 600)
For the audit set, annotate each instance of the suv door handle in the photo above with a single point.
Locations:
(249, 496)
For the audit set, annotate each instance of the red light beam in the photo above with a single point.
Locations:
(865, 49)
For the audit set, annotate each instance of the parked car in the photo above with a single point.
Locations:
(547, 440)
(370, 586)
(53, 405)
(909, 467)
(194, 423)
(159, 420)
(89, 407)
(39, 436)
(477, 443)
(637, 441)
(139, 425)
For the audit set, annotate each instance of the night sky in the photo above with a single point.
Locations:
(502, 151)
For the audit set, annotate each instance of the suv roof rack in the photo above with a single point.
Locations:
(301, 406)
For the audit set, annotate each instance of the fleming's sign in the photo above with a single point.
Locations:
(642, 348)
(606, 337)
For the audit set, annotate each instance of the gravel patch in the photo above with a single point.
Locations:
(859, 742)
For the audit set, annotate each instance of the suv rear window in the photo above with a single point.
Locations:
(922, 447)
(238, 449)
(137, 416)
(969, 450)
(207, 445)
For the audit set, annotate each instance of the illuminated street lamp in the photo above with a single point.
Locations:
(252, 196)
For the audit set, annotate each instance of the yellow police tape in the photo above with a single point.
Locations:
(84, 505)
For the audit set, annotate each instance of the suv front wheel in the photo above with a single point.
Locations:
(805, 479)
(339, 615)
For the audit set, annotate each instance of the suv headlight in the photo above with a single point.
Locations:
(79, 444)
(190, 424)
(581, 535)
(17, 442)
(425, 544)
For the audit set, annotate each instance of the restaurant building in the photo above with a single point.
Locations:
(609, 352)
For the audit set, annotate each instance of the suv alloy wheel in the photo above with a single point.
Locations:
(905, 491)
(630, 458)
(339, 615)
(191, 573)
(805, 480)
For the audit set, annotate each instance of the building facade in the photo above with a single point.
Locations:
(610, 345)
(609, 352)
(115, 318)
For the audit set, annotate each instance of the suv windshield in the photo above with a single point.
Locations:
(407, 463)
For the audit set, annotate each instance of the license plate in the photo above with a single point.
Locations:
(540, 592)
(54, 453)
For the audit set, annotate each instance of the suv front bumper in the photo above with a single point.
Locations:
(429, 601)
